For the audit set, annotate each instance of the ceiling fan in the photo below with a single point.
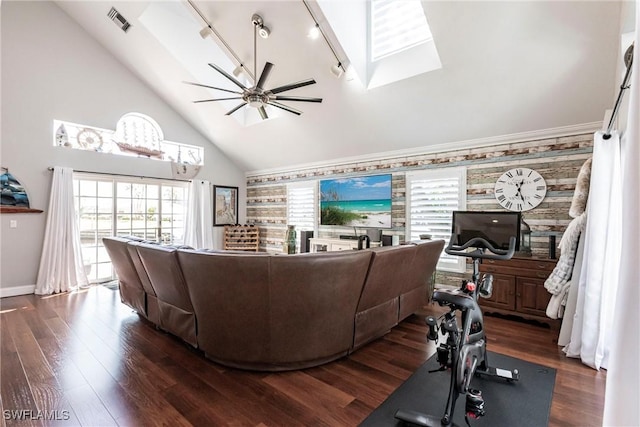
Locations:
(257, 96)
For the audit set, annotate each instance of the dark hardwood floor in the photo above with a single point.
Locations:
(86, 359)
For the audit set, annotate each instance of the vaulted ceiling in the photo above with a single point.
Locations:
(507, 68)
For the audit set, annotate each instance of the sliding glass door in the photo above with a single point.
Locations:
(124, 206)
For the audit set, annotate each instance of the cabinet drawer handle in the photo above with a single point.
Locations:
(542, 275)
(490, 261)
(541, 266)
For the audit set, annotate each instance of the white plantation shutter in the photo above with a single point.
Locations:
(301, 205)
(397, 25)
(432, 196)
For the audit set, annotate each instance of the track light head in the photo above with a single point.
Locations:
(238, 70)
(206, 32)
(337, 70)
(314, 32)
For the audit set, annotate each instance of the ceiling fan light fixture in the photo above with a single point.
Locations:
(206, 32)
(258, 22)
(255, 100)
(264, 32)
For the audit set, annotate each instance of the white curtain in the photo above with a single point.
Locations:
(61, 267)
(621, 406)
(592, 323)
(198, 231)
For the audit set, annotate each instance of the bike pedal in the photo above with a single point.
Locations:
(475, 404)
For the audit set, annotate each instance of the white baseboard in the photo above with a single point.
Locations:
(17, 290)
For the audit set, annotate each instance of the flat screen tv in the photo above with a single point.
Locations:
(495, 227)
(363, 201)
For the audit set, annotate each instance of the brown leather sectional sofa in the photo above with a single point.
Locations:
(274, 312)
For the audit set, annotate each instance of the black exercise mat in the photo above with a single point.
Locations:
(522, 403)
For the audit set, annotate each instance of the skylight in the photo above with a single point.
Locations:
(397, 25)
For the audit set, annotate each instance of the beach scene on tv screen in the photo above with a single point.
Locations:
(356, 202)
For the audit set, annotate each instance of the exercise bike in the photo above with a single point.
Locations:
(464, 349)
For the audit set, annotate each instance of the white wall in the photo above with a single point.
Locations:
(52, 69)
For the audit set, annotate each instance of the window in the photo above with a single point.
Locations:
(115, 206)
(135, 135)
(301, 205)
(385, 40)
(397, 26)
(432, 196)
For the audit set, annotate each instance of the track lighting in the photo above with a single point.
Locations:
(238, 70)
(314, 32)
(337, 69)
(206, 32)
(209, 30)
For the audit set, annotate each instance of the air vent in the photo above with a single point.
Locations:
(119, 19)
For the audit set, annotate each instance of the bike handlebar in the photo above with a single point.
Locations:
(496, 253)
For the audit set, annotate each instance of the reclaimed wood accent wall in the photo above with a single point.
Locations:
(558, 160)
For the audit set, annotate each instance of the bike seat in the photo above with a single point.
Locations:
(455, 297)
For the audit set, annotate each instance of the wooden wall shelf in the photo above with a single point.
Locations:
(14, 209)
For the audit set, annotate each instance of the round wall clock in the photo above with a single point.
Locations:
(520, 189)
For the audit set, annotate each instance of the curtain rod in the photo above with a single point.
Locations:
(628, 59)
(130, 176)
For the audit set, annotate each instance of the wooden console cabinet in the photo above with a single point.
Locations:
(518, 288)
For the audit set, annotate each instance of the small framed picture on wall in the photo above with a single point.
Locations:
(225, 205)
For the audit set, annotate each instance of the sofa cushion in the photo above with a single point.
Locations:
(165, 275)
(230, 294)
(131, 289)
(313, 300)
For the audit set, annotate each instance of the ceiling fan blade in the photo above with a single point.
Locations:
(297, 98)
(227, 75)
(235, 109)
(212, 87)
(217, 99)
(284, 107)
(293, 86)
(263, 113)
(265, 75)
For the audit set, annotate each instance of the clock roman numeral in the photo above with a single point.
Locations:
(537, 179)
(509, 174)
(501, 198)
(499, 190)
(540, 187)
(537, 196)
(508, 205)
(519, 206)
(519, 172)
(530, 172)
